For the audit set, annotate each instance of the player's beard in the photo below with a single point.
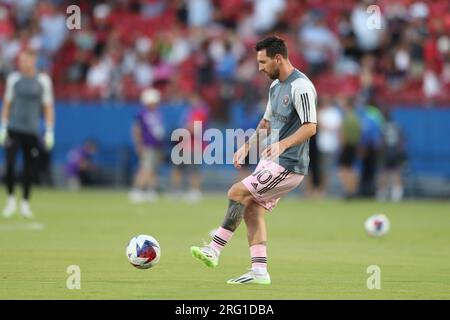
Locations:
(274, 75)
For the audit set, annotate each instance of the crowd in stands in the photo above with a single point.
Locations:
(206, 46)
(361, 58)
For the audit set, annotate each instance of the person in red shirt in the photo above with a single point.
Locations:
(194, 120)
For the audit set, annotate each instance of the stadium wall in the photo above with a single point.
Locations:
(427, 133)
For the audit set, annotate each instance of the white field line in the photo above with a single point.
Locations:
(34, 226)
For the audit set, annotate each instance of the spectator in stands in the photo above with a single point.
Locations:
(101, 25)
(415, 32)
(85, 38)
(369, 27)
(53, 27)
(6, 25)
(180, 47)
(12, 47)
(24, 10)
(78, 70)
(347, 38)
(6, 34)
(226, 66)
(80, 168)
(136, 63)
(98, 74)
(148, 136)
(105, 75)
(319, 45)
(204, 65)
(406, 43)
(199, 13)
(266, 14)
(151, 9)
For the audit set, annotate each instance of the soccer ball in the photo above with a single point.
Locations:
(377, 225)
(143, 251)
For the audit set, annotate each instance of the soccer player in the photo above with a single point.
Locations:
(290, 111)
(27, 93)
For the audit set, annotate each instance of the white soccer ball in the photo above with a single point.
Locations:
(143, 251)
(377, 225)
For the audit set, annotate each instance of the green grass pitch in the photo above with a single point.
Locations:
(316, 249)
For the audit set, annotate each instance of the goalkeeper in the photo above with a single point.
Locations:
(27, 93)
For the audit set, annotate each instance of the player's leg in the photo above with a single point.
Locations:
(347, 175)
(238, 198)
(145, 186)
(151, 174)
(11, 147)
(397, 185)
(31, 157)
(150, 185)
(382, 185)
(195, 183)
(139, 178)
(137, 194)
(254, 217)
(256, 225)
(326, 168)
(267, 185)
(176, 181)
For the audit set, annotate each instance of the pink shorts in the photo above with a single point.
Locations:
(269, 182)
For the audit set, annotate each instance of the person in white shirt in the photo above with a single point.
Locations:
(330, 122)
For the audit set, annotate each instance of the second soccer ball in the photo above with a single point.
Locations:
(377, 225)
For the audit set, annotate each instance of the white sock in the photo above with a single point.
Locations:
(397, 193)
(260, 271)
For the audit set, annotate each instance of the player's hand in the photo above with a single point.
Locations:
(3, 134)
(273, 151)
(239, 156)
(49, 139)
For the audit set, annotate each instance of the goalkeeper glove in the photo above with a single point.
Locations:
(3, 133)
(49, 139)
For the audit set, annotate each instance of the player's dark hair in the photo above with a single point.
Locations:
(273, 45)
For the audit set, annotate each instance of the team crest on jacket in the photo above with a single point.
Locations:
(285, 100)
